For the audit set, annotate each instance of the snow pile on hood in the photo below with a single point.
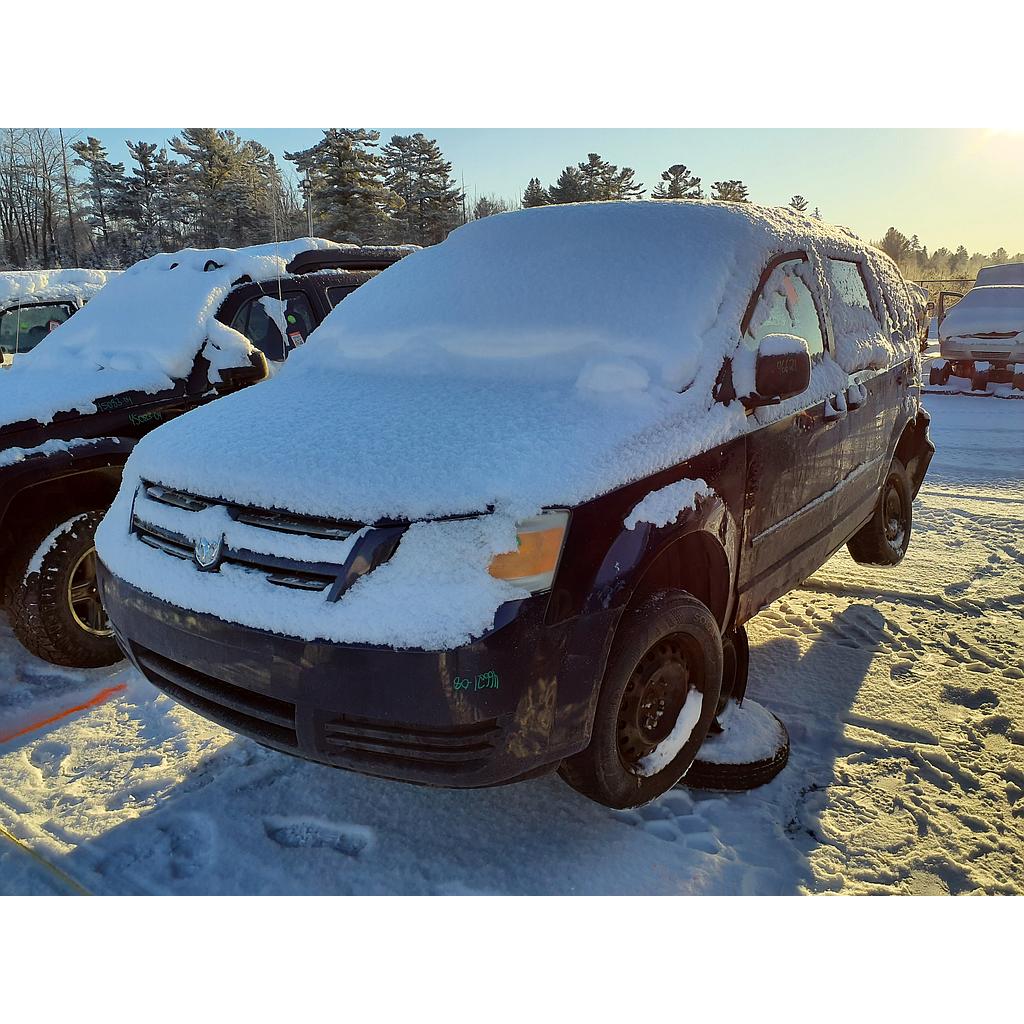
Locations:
(142, 331)
(20, 286)
(531, 360)
(991, 309)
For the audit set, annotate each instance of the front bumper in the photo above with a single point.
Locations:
(511, 704)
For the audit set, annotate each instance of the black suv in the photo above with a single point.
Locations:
(59, 474)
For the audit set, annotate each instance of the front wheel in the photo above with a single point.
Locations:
(658, 698)
(52, 594)
(885, 538)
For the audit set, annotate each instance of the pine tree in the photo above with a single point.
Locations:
(535, 195)
(487, 206)
(419, 175)
(570, 187)
(678, 183)
(104, 185)
(346, 178)
(799, 204)
(895, 245)
(732, 191)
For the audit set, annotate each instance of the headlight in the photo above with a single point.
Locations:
(538, 547)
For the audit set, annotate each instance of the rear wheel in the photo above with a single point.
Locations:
(52, 594)
(658, 698)
(885, 538)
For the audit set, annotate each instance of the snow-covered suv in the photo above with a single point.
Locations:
(35, 302)
(171, 333)
(522, 494)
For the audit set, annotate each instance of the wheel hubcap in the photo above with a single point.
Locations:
(894, 528)
(653, 699)
(84, 597)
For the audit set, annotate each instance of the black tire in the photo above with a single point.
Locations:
(733, 777)
(885, 538)
(663, 649)
(979, 382)
(938, 375)
(49, 620)
(735, 669)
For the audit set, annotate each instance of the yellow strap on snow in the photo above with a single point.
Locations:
(66, 879)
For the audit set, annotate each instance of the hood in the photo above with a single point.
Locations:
(992, 309)
(370, 447)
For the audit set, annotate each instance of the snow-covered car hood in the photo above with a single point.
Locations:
(991, 309)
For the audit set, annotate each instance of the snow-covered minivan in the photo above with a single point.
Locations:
(512, 509)
(35, 302)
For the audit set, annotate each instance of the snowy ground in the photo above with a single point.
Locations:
(903, 692)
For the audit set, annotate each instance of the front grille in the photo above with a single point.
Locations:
(279, 571)
(267, 519)
(245, 711)
(461, 748)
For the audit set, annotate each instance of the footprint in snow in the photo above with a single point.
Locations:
(983, 697)
(304, 833)
(48, 757)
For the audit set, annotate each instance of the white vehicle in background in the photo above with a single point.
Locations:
(981, 338)
(35, 302)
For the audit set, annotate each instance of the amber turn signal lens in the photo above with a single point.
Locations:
(539, 543)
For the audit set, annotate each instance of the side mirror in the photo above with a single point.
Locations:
(783, 370)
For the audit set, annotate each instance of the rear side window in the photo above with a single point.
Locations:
(336, 294)
(852, 311)
(785, 305)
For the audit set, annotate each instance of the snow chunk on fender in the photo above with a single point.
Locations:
(665, 505)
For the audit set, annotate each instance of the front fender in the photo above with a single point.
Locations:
(57, 460)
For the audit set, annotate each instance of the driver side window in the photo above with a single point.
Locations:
(785, 305)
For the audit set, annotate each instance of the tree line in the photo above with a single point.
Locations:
(64, 202)
(943, 267)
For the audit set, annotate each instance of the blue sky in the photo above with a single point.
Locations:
(947, 186)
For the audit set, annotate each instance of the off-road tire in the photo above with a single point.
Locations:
(37, 602)
(735, 777)
(874, 543)
(599, 772)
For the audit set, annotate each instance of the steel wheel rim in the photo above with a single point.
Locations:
(84, 597)
(654, 696)
(895, 530)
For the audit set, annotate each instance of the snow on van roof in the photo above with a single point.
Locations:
(990, 309)
(1003, 273)
(142, 331)
(50, 285)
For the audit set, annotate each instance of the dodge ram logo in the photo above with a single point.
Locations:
(207, 552)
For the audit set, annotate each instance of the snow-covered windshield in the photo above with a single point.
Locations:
(546, 291)
(992, 309)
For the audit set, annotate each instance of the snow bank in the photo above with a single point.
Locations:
(142, 331)
(665, 505)
(531, 360)
(21, 286)
(991, 309)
